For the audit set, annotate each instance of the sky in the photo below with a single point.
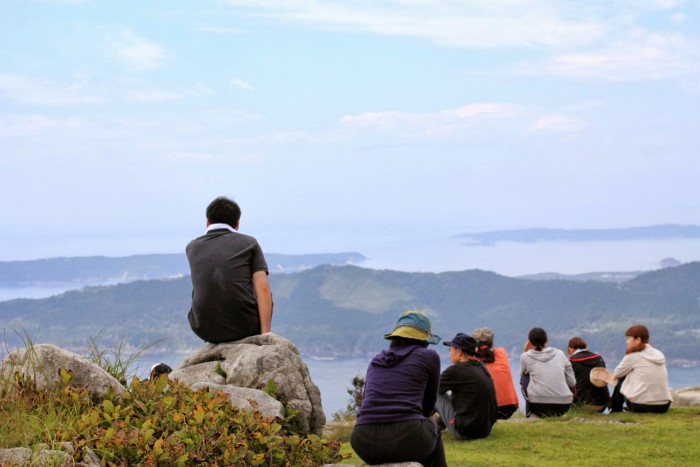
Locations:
(337, 122)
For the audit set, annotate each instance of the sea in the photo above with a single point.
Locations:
(334, 376)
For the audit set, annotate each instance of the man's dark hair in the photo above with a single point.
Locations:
(224, 211)
(538, 338)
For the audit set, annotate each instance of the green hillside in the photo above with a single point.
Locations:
(343, 311)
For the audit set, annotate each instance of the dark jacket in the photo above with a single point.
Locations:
(401, 384)
(585, 393)
(473, 398)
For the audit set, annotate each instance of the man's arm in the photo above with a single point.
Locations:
(264, 299)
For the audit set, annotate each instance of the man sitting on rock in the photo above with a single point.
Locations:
(467, 398)
(231, 296)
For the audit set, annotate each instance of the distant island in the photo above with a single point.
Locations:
(654, 232)
(102, 270)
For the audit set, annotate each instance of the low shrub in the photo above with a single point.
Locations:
(162, 422)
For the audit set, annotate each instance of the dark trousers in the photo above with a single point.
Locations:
(409, 441)
(506, 411)
(539, 409)
(618, 403)
(546, 410)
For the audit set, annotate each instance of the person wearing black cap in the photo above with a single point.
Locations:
(467, 397)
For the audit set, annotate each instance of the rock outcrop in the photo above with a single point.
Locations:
(252, 363)
(42, 363)
(685, 397)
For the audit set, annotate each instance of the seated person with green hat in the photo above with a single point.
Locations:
(393, 423)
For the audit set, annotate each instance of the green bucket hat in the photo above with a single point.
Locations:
(413, 325)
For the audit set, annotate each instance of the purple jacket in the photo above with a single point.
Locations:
(401, 384)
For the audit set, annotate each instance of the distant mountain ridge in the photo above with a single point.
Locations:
(95, 270)
(654, 232)
(342, 311)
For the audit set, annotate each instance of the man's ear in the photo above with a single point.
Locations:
(208, 222)
(235, 227)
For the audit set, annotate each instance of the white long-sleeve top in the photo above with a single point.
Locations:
(646, 379)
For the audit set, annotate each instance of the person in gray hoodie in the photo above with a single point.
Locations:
(642, 376)
(546, 377)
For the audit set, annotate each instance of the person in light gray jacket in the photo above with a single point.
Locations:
(546, 377)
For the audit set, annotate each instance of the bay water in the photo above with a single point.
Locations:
(334, 377)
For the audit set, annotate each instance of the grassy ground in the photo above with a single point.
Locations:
(581, 438)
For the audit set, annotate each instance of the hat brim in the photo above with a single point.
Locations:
(601, 377)
(410, 332)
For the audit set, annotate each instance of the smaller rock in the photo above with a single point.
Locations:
(687, 397)
(239, 397)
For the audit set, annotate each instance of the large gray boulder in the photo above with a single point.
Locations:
(252, 363)
(42, 363)
(685, 397)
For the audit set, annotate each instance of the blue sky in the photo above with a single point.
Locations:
(120, 121)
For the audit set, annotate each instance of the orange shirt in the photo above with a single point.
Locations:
(502, 378)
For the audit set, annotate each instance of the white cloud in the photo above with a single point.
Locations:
(639, 57)
(138, 53)
(464, 23)
(221, 30)
(581, 33)
(432, 123)
(166, 95)
(157, 95)
(239, 83)
(186, 156)
(679, 18)
(587, 105)
(44, 91)
(31, 125)
(557, 124)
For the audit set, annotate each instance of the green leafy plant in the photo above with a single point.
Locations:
(158, 422)
(163, 422)
(356, 393)
(116, 362)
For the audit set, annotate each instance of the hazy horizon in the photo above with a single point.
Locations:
(398, 247)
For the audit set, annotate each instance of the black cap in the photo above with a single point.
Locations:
(463, 342)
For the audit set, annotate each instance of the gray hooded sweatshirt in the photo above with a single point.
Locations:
(551, 376)
(646, 379)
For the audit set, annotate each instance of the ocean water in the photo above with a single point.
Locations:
(334, 378)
